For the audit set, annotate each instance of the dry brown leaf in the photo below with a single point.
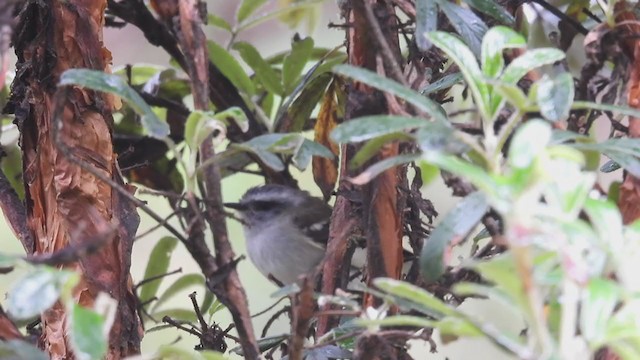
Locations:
(325, 171)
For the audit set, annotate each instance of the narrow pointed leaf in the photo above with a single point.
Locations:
(157, 265)
(113, 84)
(384, 84)
(457, 224)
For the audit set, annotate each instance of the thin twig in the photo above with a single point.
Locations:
(157, 277)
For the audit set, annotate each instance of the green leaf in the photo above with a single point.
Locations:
(457, 224)
(264, 72)
(113, 84)
(217, 21)
(555, 96)
(487, 291)
(19, 349)
(184, 282)
(157, 265)
(264, 344)
(369, 127)
(458, 327)
(439, 137)
(493, 9)
(299, 7)
(295, 62)
(610, 166)
(38, 290)
(528, 142)
(444, 83)
(425, 300)
(307, 150)
(248, 7)
(494, 43)
(599, 300)
(384, 84)
(606, 221)
(302, 107)
(371, 148)
(624, 110)
(199, 125)
(381, 166)
(476, 175)
(426, 21)
(501, 271)
(296, 145)
(466, 61)
(177, 314)
(397, 320)
(230, 68)
(470, 27)
(529, 61)
(87, 333)
(624, 151)
(510, 92)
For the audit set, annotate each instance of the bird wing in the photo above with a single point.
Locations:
(314, 218)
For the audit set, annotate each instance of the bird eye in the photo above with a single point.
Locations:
(262, 205)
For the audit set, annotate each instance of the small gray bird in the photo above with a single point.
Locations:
(286, 230)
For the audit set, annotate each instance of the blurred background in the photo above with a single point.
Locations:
(129, 46)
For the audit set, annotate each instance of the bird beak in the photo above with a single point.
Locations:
(236, 206)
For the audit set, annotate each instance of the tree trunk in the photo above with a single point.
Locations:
(68, 205)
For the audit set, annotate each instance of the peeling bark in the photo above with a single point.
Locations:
(66, 205)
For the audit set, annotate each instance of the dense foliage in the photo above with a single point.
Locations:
(541, 235)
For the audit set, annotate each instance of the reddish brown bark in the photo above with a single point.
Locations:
(66, 205)
(372, 44)
(370, 38)
(8, 330)
(629, 198)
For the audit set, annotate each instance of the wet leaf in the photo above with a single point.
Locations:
(457, 224)
(157, 265)
(113, 84)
